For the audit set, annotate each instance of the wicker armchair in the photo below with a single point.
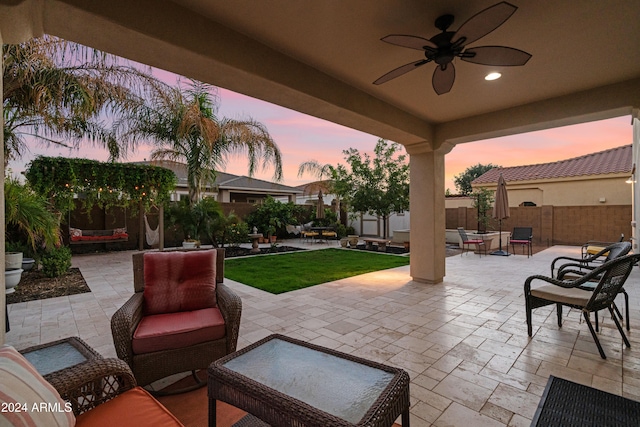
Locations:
(90, 384)
(580, 267)
(611, 277)
(151, 366)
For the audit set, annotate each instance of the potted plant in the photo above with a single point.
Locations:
(271, 232)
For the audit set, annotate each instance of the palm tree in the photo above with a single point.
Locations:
(60, 92)
(184, 125)
(332, 179)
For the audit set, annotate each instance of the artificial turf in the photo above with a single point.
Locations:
(290, 271)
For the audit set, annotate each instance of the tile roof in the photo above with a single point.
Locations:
(614, 160)
(224, 180)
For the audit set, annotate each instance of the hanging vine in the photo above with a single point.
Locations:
(104, 184)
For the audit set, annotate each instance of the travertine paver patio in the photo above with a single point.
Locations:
(463, 342)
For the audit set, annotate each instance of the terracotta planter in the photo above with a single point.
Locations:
(344, 242)
(273, 239)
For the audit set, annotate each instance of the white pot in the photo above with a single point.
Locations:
(27, 263)
(11, 279)
(12, 260)
(188, 245)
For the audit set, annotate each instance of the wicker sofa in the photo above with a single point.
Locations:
(149, 366)
(96, 393)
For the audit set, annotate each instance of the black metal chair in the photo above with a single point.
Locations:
(522, 236)
(611, 276)
(467, 242)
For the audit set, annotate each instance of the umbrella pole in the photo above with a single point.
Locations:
(500, 251)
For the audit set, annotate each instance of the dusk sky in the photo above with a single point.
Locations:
(302, 138)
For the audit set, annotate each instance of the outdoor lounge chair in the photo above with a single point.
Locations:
(522, 236)
(611, 277)
(467, 242)
(181, 317)
(592, 247)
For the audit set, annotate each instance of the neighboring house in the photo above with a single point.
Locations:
(229, 188)
(594, 179)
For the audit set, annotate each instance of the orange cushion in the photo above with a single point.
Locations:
(179, 281)
(177, 330)
(135, 408)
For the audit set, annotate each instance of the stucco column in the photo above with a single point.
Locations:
(427, 220)
(18, 23)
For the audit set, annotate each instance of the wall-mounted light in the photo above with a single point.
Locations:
(629, 180)
(492, 76)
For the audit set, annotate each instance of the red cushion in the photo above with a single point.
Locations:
(179, 281)
(135, 407)
(177, 330)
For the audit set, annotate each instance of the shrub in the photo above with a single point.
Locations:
(56, 262)
(236, 233)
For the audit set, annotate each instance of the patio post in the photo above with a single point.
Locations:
(427, 220)
(18, 23)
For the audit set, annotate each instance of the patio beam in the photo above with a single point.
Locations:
(589, 105)
(163, 34)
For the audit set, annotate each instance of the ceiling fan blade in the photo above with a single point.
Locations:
(496, 55)
(443, 79)
(412, 42)
(482, 23)
(400, 71)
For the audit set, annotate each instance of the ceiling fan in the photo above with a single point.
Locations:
(444, 47)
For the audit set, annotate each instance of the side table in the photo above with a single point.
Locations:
(55, 357)
(288, 382)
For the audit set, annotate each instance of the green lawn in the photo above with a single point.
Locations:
(290, 271)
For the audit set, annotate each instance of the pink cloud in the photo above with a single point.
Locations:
(302, 138)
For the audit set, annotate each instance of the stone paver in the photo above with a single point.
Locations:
(463, 342)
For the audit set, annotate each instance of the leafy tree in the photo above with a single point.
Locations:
(463, 180)
(59, 93)
(482, 202)
(272, 216)
(378, 186)
(184, 125)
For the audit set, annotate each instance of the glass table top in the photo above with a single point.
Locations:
(340, 387)
(54, 358)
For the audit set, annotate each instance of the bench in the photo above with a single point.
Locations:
(79, 237)
(380, 243)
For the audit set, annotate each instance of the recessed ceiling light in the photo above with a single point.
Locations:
(493, 76)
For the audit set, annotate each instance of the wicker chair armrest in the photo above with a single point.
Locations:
(571, 266)
(591, 275)
(585, 260)
(230, 306)
(89, 384)
(123, 324)
(571, 272)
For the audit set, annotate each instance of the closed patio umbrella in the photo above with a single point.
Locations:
(320, 207)
(501, 210)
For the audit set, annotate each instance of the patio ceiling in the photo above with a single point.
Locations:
(321, 58)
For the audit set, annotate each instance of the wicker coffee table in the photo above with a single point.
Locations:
(287, 382)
